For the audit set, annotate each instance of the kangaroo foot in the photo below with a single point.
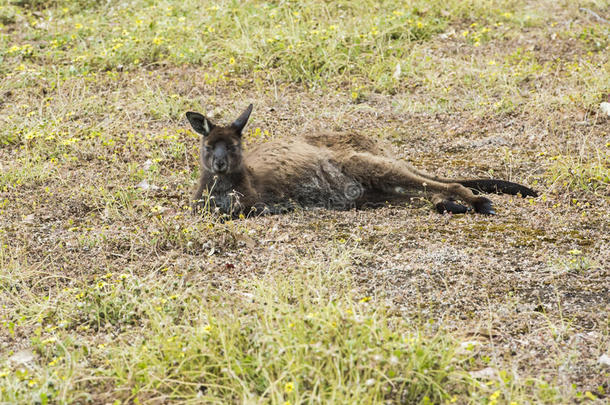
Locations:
(451, 207)
(484, 205)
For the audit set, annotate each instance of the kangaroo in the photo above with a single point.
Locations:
(337, 171)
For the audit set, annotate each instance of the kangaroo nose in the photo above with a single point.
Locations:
(220, 165)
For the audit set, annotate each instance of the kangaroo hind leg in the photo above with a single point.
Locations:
(377, 172)
(481, 205)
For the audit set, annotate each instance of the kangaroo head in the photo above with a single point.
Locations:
(221, 151)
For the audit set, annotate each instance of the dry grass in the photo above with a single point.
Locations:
(112, 290)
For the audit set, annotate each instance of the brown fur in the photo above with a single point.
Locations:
(331, 170)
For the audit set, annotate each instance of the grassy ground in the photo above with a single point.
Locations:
(112, 292)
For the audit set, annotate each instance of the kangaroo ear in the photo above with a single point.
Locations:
(240, 122)
(199, 123)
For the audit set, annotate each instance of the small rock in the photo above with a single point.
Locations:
(29, 219)
(485, 373)
(605, 107)
(22, 357)
(397, 72)
(144, 185)
(604, 360)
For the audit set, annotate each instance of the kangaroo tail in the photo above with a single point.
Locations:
(498, 187)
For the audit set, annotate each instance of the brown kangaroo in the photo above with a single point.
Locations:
(331, 170)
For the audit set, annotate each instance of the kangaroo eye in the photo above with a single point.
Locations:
(208, 148)
(232, 147)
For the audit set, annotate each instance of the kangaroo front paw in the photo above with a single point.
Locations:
(197, 207)
(484, 206)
